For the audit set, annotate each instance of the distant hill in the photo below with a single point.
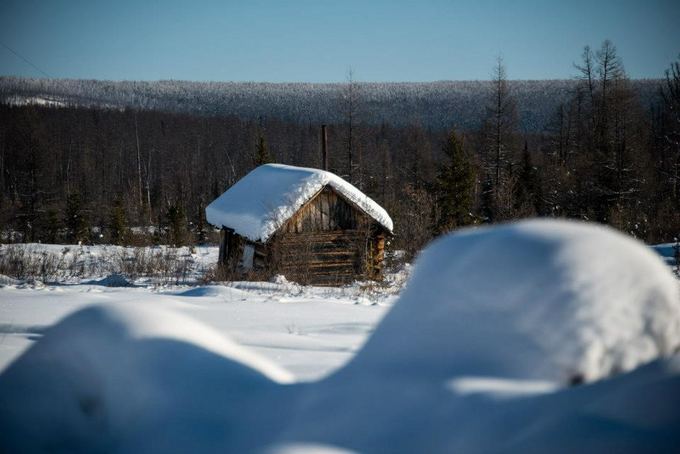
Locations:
(435, 105)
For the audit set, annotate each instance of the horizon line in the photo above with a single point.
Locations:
(209, 81)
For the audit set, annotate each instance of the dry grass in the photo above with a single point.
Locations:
(162, 265)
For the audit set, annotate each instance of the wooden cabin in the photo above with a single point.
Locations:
(309, 225)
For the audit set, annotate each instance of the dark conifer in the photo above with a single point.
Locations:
(118, 224)
(527, 187)
(262, 155)
(75, 219)
(177, 224)
(53, 225)
(454, 187)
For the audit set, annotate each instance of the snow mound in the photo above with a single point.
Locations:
(258, 204)
(106, 375)
(280, 279)
(6, 281)
(473, 358)
(305, 448)
(630, 413)
(211, 291)
(31, 283)
(112, 280)
(537, 300)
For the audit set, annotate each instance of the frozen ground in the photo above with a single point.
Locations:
(309, 331)
(541, 336)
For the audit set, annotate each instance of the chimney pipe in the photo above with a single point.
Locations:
(324, 148)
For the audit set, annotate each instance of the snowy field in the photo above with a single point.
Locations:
(307, 330)
(542, 336)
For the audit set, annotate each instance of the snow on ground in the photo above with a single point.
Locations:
(19, 100)
(478, 354)
(299, 333)
(259, 203)
(581, 303)
(309, 331)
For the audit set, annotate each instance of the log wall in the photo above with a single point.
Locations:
(327, 211)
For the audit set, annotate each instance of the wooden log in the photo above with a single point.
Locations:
(335, 253)
(320, 236)
(319, 269)
(327, 264)
(332, 273)
(325, 219)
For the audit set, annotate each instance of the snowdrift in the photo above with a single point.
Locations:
(132, 378)
(478, 355)
(542, 300)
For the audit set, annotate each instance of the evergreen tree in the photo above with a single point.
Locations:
(262, 155)
(75, 219)
(53, 225)
(177, 225)
(454, 187)
(527, 187)
(159, 231)
(118, 225)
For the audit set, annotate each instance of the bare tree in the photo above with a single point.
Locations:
(499, 134)
(587, 70)
(139, 164)
(351, 98)
(670, 92)
(610, 69)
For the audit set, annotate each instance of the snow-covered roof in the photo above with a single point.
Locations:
(262, 201)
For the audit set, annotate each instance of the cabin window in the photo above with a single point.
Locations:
(248, 254)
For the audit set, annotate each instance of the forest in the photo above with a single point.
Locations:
(435, 105)
(600, 147)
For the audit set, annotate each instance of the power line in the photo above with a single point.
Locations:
(25, 60)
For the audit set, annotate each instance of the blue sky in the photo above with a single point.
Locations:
(319, 40)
